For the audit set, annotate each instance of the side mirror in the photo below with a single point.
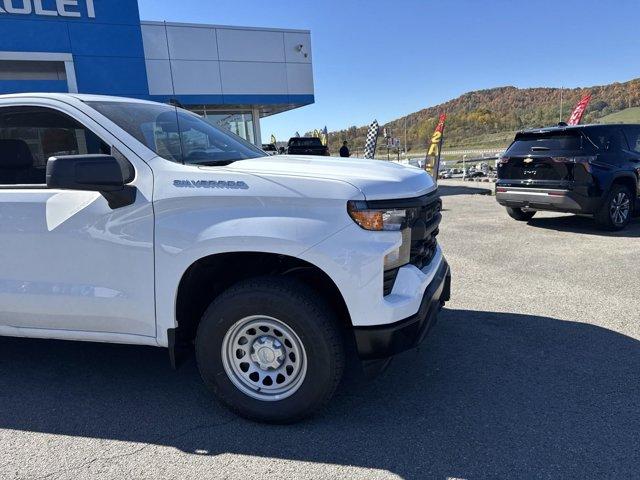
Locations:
(93, 173)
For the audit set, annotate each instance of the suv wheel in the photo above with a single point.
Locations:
(520, 215)
(270, 351)
(615, 213)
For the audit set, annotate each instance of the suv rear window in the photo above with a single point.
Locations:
(528, 143)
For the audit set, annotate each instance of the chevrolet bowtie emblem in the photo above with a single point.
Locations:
(528, 160)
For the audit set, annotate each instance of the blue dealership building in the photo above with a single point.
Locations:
(231, 75)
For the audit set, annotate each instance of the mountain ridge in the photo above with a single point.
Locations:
(488, 117)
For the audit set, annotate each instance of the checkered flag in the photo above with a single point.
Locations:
(372, 141)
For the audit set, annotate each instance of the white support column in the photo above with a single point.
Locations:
(72, 82)
(257, 133)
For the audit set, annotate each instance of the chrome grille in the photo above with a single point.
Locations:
(425, 227)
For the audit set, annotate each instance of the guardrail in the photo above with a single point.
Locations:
(489, 151)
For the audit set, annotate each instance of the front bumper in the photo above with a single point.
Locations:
(380, 342)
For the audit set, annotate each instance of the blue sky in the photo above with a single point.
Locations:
(383, 59)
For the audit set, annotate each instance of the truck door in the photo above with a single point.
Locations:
(70, 266)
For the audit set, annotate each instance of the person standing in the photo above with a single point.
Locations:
(344, 151)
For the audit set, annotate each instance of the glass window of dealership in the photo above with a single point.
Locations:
(233, 76)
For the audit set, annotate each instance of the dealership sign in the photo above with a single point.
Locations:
(59, 8)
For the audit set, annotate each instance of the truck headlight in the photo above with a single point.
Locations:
(386, 219)
(401, 255)
(377, 219)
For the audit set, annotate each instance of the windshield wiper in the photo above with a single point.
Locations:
(213, 163)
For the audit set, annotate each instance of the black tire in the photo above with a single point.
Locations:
(520, 215)
(607, 217)
(296, 306)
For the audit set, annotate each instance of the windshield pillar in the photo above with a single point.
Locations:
(257, 134)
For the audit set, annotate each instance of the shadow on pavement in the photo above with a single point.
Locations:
(584, 225)
(449, 190)
(490, 395)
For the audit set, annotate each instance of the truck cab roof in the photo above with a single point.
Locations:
(73, 96)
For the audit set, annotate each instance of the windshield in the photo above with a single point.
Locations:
(177, 135)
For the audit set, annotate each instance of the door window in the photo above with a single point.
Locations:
(633, 137)
(29, 136)
(608, 139)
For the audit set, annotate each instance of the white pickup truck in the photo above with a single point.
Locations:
(127, 221)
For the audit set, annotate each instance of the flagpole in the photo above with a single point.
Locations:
(405, 137)
(437, 167)
(326, 134)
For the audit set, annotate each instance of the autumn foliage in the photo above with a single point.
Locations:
(503, 109)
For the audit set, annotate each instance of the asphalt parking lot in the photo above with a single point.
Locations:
(532, 372)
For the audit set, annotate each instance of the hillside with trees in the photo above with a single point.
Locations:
(489, 118)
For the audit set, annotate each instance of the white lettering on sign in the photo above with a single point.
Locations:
(64, 8)
(25, 9)
(40, 10)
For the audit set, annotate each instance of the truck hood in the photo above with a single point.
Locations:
(377, 180)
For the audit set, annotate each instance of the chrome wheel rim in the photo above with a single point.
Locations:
(620, 208)
(264, 358)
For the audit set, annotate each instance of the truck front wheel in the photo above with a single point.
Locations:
(270, 350)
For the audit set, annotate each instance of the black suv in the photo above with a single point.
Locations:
(586, 169)
(307, 146)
